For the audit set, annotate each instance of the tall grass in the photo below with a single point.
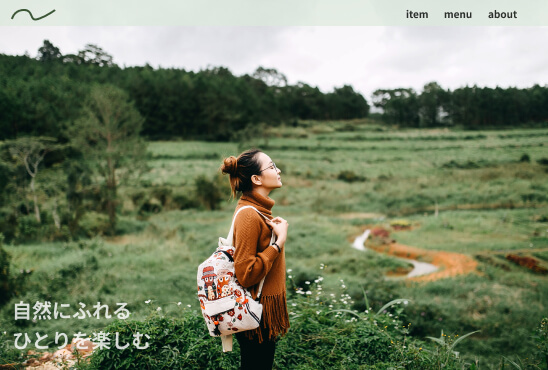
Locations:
(487, 202)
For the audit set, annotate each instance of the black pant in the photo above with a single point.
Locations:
(255, 355)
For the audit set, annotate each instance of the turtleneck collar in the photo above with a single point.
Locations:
(264, 204)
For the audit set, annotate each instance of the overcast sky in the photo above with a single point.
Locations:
(367, 58)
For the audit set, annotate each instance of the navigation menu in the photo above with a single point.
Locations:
(495, 14)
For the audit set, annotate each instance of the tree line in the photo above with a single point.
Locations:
(43, 96)
(468, 107)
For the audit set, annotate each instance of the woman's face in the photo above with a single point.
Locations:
(270, 174)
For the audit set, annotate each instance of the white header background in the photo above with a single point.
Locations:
(269, 13)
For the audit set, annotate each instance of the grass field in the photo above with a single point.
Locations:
(481, 193)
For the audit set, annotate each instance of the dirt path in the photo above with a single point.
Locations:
(450, 264)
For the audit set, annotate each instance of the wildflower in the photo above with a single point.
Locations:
(147, 302)
(308, 292)
(343, 286)
(159, 309)
(318, 312)
(289, 270)
(294, 304)
(178, 303)
(188, 305)
(322, 266)
(405, 302)
(307, 282)
(290, 277)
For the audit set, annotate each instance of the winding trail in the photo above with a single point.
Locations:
(449, 263)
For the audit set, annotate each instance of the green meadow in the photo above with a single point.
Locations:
(479, 193)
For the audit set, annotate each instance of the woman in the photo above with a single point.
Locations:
(255, 175)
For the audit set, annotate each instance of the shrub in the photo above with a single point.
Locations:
(541, 340)
(162, 193)
(525, 158)
(5, 278)
(464, 165)
(28, 228)
(8, 225)
(208, 192)
(93, 224)
(10, 357)
(183, 201)
(10, 285)
(173, 343)
(151, 206)
(350, 176)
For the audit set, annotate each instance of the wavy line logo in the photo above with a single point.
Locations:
(28, 11)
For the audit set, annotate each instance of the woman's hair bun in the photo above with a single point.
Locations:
(230, 165)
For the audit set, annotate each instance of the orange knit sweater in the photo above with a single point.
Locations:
(254, 259)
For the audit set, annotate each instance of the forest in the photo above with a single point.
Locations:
(42, 96)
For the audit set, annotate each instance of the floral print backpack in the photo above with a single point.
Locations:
(227, 306)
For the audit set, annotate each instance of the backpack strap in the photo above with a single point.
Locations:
(231, 235)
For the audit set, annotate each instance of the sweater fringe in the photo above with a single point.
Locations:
(275, 318)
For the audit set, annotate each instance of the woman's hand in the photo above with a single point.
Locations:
(279, 227)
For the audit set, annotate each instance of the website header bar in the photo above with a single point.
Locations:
(274, 13)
